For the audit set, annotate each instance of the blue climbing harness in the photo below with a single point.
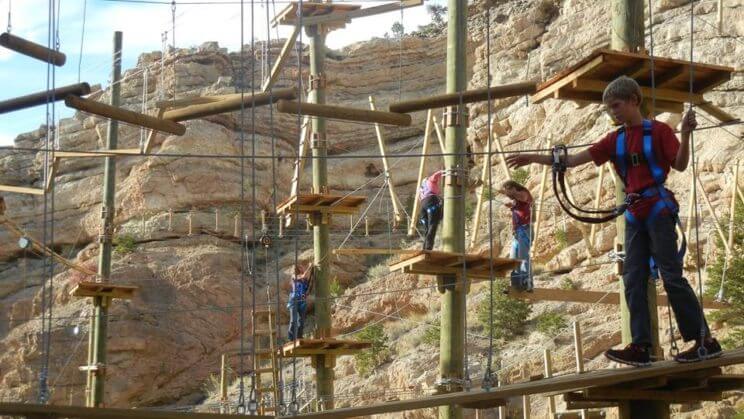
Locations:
(665, 199)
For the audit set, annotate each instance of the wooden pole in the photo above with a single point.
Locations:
(421, 174)
(32, 49)
(236, 225)
(170, 219)
(526, 407)
(467, 96)
(732, 210)
(579, 354)
(216, 219)
(720, 17)
(716, 222)
(627, 34)
(479, 199)
(597, 197)
(502, 157)
(41, 98)
(366, 226)
(539, 209)
(440, 135)
(190, 222)
(95, 377)
(230, 103)
(123, 115)
(692, 201)
(453, 308)
(391, 184)
(548, 364)
(283, 55)
(323, 364)
(223, 378)
(343, 113)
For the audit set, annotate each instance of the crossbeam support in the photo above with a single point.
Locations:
(124, 115)
(228, 103)
(343, 113)
(40, 98)
(468, 96)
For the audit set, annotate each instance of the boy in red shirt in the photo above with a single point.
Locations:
(650, 230)
(520, 204)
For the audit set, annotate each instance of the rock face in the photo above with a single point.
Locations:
(178, 212)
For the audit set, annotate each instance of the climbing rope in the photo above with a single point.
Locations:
(173, 40)
(82, 38)
(10, 8)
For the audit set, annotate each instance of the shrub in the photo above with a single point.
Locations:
(124, 243)
(520, 176)
(378, 271)
(377, 354)
(549, 323)
(568, 284)
(733, 287)
(431, 334)
(561, 236)
(509, 314)
(336, 289)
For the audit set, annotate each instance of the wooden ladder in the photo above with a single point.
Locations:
(265, 334)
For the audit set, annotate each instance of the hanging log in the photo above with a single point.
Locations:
(41, 98)
(32, 49)
(124, 115)
(230, 103)
(343, 113)
(468, 96)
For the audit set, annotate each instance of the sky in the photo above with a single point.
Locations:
(142, 22)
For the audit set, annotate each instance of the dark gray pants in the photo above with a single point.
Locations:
(431, 215)
(658, 239)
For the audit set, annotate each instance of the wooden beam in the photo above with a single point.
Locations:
(98, 153)
(671, 76)
(712, 212)
(58, 411)
(352, 14)
(548, 366)
(547, 91)
(669, 95)
(421, 174)
(343, 113)
(230, 103)
(597, 197)
(276, 69)
(440, 135)
(612, 394)
(485, 186)
(373, 251)
(21, 189)
(717, 112)
(540, 200)
(187, 101)
(468, 96)
(123, 115)
(32, 49)
(397, 212)
(41, 98)
(151, 136)
(53, 167)
(566, 383)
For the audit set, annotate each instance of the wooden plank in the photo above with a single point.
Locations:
(484, 404)
(613, 394)
(230, 103)
(276, 69)
(98, 153)
(546, 90)
(21, 189)
(717, 112)
(343, 113)
(467, 96)
(670, 95)
(58, 411)
(124, 115)
(345, 17)
(373, 251)
(103, 289)
(572, 382)
(670, 76)
(326, 203)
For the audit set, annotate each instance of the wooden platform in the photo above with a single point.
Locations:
(631, 377)
(585, 81)
(103, 289)
(363, 251)
(329, 346)
(321, 203)
(433, 262)
(51, 411)
(289, 15)
(593, 297)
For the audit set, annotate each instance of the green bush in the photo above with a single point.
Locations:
(509, 314)
(378, 271)
(431, 334)
(377, 354)
(549, 323)
(733, 287)
(124, 244)
(568, 284)
(561, 236)
(520, 176)
(336, 289)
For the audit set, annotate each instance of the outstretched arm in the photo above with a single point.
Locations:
(518, 160)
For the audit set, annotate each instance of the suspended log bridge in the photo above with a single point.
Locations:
(124, 115)
(32, 49)
(55, 411)
(215, 105)
(343, 113)
(41, 98)
(468, 96)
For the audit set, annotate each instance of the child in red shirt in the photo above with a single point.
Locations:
(650, 230)
(520, 204)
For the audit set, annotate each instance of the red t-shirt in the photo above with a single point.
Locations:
(638, 178)
(521, 212)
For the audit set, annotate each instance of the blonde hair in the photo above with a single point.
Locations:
(623, 88)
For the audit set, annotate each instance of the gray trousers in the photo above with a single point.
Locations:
(658, 239)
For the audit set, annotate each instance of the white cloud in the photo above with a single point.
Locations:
(6, 139)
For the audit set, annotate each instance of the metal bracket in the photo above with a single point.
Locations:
(316, 81)
(96, 368)
(455, 116)
(454, 176)
(318, 140)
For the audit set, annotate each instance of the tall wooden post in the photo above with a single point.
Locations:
(732, 212)
(421, 174)
(388, 175)
(452, 341)
(627, 34)
(323, 364)
(96, 368)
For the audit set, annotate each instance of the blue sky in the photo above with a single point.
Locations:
(142, 25)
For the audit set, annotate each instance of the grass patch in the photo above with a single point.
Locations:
(369, 359)
(549, 323)
(124, 244)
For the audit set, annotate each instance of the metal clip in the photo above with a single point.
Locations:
(317, 81)
(455, 116)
